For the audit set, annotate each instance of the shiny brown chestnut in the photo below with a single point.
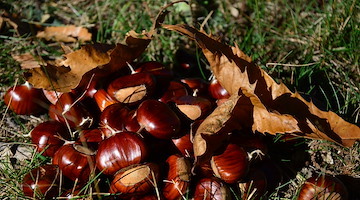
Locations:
(323, 187)
(174, 90)
(52, 112)
(130, 123)
(253, 143)
(52, 95)
(25, 99)
(204, 170)
(90, 138)
(217, 91)
(198, 86)
(155, 68)
(211, 189)
(91, 88)
(49, 137)
(119, 151)
(254, 185)
(147, 197)
(42, 182)
(193, 107)
(162, 75)
(158, 119)
(184, 145)
(75, 161)
(67, 111)
(73, 193)
(112, 119)
(178, 178)
(231, 165)
(249, 141)
(103, 99)
(135, 180)
(132, 89)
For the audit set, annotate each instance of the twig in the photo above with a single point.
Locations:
(291, 65)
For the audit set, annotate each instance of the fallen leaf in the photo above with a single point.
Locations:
(237, 73)
(27, 61)
(94, 62)
(69, 33)
(68, 74)
(243, 110)
(12, 154)
(2, 23)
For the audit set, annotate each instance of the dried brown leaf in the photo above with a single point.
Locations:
(243, 110)
(94, 61)
(69, 33)
(2, 23)
(69, 73)
(27, 61)
(236, 73)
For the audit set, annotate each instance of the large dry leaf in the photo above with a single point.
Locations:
(98, 59)
(68, 74)
(92, 61)
(242, 110)
(27, 61)
(69, 33)
(236, 73)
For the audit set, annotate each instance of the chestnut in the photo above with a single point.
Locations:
(253, 143)
(25, 99)
(103, 99)
(158, 119)
(120, 150)
(73, 193)
(204, 170)
(67, 111)
(193, 107)
(211, 189)
(249, 141)
(162, 75)
(178, 178)
(90, 138)
(148, 197)
(323, 187)
(174, 90)
(198, 86)
(135, 180)
(75, 161)
(184, 145)
(49, 137)
(52, 95)
(112, 119)
(254, 185)
(130, 123)
(42, 182)
(155, 68)
(231, 165)
(90, 87)
(217, 91)
(132, 89)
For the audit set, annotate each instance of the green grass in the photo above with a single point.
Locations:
(312, 46)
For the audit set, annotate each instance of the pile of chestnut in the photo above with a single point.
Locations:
(130, 137)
